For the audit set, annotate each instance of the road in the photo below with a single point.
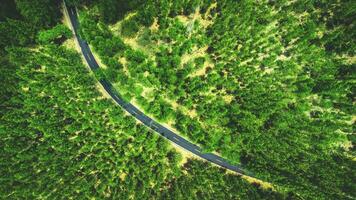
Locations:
(163, 131)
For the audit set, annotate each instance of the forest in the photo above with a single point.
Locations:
(268, 84)
(62, 139)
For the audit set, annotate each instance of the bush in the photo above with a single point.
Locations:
(145, 38)
(199, 62)
(57, 35)
(129, 28)
(99, 74)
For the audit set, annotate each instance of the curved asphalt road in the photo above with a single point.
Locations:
(163, 131)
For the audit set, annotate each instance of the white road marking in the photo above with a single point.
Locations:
(125, 105)
(88, 57)
(175, 138)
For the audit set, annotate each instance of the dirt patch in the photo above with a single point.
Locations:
(184, 19)
(123, 176)
(132, 42)
(123, 61)
(147, 91)
(264, 185)
(202, 71)
(70, 44)
(228, 98)
(208, 11)
(202, 21)
(201, 52)
(116, 28)
(155, 26)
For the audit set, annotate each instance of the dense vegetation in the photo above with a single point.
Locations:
(61, 139)
(267, 84)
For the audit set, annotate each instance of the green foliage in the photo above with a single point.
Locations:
(137, 57)
(55, 35)
(99, 74)
(79, 2)
(104, 42)
(146, 15)
(53, 139)
(277, 94)
(112, 10)
(145, 38)
(114, 68)
(61, 139)
(8, 10)
(129, 28)
(40, 13)
(340, 37)
(16, 32)
(205, 182)
(199, 61)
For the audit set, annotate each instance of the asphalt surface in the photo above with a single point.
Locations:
(163, 131)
